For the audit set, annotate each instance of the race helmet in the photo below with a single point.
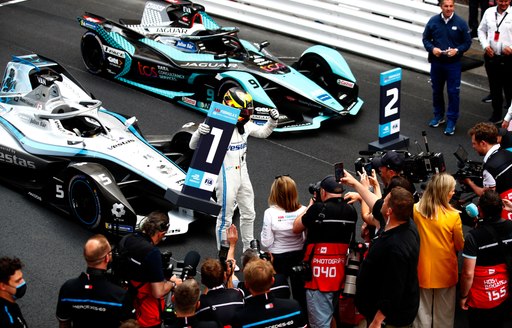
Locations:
(238, 98)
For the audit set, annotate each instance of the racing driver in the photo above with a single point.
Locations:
(233, 183)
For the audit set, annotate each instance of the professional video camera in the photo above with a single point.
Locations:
(354, 259)
(467, 168)
(416, 167)
(255, 244)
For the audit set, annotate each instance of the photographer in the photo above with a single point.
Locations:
(331, 225)
(497, 166)
(146, 272)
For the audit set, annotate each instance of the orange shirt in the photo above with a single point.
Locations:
(440, 240)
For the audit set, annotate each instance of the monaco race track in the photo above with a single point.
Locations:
(50, 244)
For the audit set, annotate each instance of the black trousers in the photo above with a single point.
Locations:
(499, 71)
(473, 13)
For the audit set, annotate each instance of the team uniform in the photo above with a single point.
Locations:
(280, 288)
(191, 322)
(498, 173)
(148, 309)
(233, 183)
(489, 291)
(220, 304)
(10, 315)
(266, 311)
(330, 228)
(91, 300)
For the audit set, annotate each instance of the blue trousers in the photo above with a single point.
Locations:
(449, 74)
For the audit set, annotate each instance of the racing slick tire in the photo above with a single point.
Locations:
(92, 53)
(224, 87)
(317, 70)
(84, 201)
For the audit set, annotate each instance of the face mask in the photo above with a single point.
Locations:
(20, 290)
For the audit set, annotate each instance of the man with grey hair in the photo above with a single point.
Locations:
(91, 299)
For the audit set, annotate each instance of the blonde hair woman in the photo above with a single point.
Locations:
(277, 233)
(441, 237)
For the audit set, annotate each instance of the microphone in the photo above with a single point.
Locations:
(190, 264)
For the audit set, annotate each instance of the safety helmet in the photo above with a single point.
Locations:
(238, 98)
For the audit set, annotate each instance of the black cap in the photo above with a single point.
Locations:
(330, 185)
(391, 159)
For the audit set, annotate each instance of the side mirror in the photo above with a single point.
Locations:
(129, 122)
(264, 44)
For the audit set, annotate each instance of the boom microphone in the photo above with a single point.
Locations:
(190, 264)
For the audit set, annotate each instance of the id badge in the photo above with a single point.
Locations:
(496, 36)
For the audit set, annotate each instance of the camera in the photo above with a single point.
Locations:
(467, 168)
(314, 188)
(223, 255)
(167, 266)
(255, 244)
(354, 259)
(303, 269)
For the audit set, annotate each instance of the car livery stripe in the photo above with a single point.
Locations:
(39, 148)
(78, 300)
(208, 22)
(161, 92)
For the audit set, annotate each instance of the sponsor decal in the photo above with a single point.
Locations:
(186, 45)
(41, 80)
(113, 51)
(347, 84)
(15, 160)
(273, 67)
(31, 194)
(119, 144)
(210, 65)
(261, 110)
(148, 71)
(189, 101)
(260, 117)
(88, 24)
(154, 6)
(170, 75)
(170, 30)
(225, 112)
(162, 68)
(298, 125)
(324, 97)
(260, 61)
(115, 61)
(118, 210)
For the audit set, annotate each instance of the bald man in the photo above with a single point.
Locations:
(91, 300)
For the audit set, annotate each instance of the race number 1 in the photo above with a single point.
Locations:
(389, 120)
(211, 149)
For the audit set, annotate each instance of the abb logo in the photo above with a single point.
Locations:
(148, 71)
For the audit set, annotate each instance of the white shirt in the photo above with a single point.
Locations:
(489, 25)
(277, 235)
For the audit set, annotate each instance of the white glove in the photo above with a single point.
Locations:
(203, 128)
(274, 114)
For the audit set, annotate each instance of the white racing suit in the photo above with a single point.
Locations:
(233, 183)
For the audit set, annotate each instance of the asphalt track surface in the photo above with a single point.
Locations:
(50, 244)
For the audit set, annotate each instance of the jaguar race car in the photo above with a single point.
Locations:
(176, 50)
(61, 147)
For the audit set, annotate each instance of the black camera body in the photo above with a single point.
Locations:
(420, 167)
(167, 266)
(304, 270)
(255, 244)
(314, 188)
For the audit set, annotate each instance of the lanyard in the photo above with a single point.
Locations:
(498, 25)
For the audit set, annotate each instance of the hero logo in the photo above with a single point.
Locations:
(114, 52)
(347, 84)
(13, 159)
(148, 71)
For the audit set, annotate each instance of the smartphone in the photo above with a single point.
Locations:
(338, 171)
(368, 168)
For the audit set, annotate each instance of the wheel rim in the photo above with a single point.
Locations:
(84, 202)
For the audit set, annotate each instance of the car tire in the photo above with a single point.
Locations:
(224, 87)
(92, 53)
(84, 201)
(317, 69)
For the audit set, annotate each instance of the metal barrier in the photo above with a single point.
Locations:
(387, 30)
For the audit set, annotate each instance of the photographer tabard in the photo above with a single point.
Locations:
(330, 224)
(141, 261)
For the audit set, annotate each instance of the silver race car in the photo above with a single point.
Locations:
(61, 147)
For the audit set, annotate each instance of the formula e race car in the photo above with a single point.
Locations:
(61, 147)
(179, 52)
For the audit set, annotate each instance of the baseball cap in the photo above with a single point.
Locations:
(506, 138)
(390, 159)
(330, 185)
